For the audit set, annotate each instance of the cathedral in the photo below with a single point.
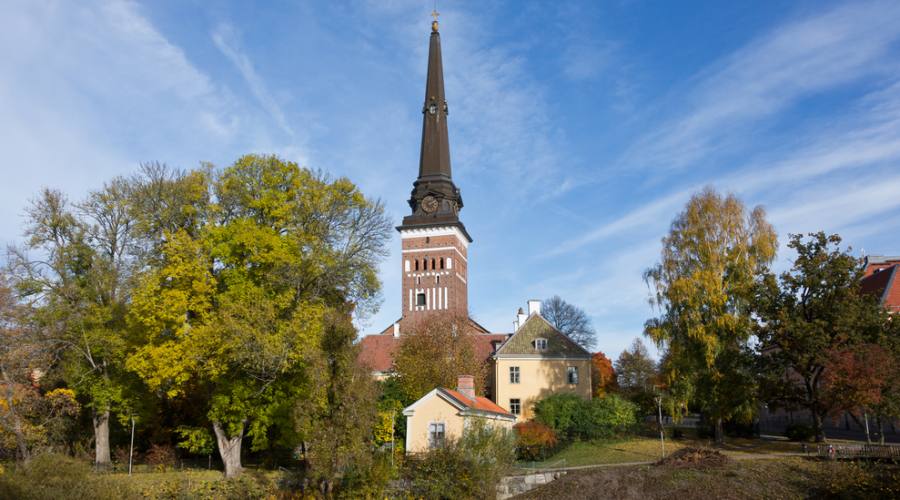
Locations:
(434, 268)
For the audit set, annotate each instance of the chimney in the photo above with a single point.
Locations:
(396, 330)
(520, 318)
(534, 307)
(466, 386)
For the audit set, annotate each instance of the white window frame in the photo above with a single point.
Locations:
(572, 370)
(540, 344)
(515, 406)
(432, 430)
(515, 375)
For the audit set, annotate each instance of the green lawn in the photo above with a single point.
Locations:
(643, 449)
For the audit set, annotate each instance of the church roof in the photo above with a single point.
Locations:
(559, 345)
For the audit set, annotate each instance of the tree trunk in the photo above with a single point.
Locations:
(229, 449)
(101, 440)
(720, 431)
(868, 436)
(817, 425)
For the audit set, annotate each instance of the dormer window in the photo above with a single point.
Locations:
(540, 344)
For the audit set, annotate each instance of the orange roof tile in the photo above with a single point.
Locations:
(479, 403)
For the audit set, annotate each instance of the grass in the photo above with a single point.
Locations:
(644, 449)
(789, 477)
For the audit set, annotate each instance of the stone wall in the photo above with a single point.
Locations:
(516, 485)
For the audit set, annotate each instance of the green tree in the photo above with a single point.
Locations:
(806, 316)
(636, 375)
(81, 285)
(238, 305)
(711, 261)
(336, 421)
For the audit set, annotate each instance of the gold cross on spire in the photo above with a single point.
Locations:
(434, 24)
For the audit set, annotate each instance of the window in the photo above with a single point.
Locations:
(420, 299)
(436, 434)
(513, 374)
(540, 344)
(432, 265)
(515, 406)
(417, 264)
(438, 280)
(573, 375)
(449, 262)
(442, 262)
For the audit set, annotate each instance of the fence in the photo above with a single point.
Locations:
(850, 451)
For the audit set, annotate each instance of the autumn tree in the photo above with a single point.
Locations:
(238, 305)
(603, 376)
(811, 317)
(711, 261)
(80, 281)
(434, 352)
(636, 375)
(335, 422)
(570, 320)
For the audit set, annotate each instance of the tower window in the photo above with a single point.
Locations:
(438, 280)
(515, 406)
(432, 265)
(573, 375)
(420, 299)
(513, 374)
(442, 262)
(417, 264)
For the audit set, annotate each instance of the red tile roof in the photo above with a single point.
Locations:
(479, 403)
(377, 352)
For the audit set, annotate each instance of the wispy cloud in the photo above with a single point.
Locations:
(789, 63)
(227, 41)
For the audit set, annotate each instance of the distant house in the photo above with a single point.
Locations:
(443, 414)
(536, 361)
(882, 279)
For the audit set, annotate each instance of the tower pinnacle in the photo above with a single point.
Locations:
(435, 199)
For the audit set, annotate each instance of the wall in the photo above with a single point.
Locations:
(434, 409)
(538, 378)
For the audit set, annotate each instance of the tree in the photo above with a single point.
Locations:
(811, 318)
(636, 375)
(711, 260)
(603, 376)
(435, 352)
(855, 378)
(336, 422)
(570, 320)
(81, 284)
(238, 305)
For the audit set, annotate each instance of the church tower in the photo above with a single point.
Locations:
(434, 240)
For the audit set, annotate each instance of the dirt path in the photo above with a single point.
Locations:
(733, 455)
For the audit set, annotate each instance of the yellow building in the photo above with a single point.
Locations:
(535, 362)
(443, 414)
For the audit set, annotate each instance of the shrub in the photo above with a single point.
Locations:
(799, 432)
(534, 440)
(469, 467)
(161, 456)
(576, 418)
(56, 476)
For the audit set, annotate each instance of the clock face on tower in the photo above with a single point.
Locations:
(429, 204)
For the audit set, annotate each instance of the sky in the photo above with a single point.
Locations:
(578, 130)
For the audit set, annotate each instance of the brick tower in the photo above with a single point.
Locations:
(434, 241)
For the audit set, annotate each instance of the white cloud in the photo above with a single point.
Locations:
(767, 76)
(227, 41)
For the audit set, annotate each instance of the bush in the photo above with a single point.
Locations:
(576, 418)
(534, 440)
(161, 456)
(56, 476)
(469, 467)
(799, 432)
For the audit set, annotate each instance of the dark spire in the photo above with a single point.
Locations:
(434, 200)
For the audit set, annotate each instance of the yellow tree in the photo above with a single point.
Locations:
(712, 259)
(236, 307)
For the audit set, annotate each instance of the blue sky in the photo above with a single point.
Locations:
(578, 129)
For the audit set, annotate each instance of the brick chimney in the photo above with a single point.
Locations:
(466, 386)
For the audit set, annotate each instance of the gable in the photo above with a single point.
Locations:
(522, 343)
